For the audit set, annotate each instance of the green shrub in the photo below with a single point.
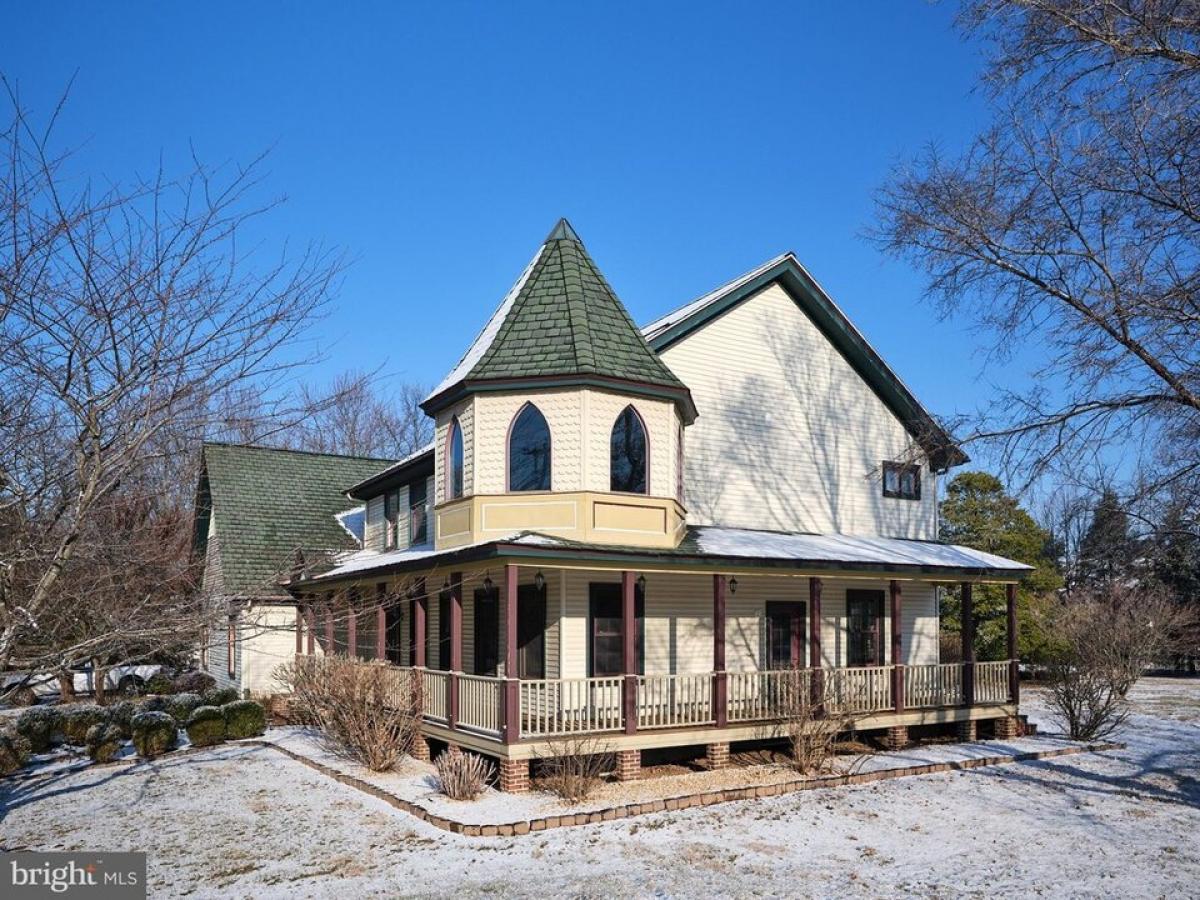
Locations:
(121, 714)
(77, 718)
(104, 742)
(193, 683)
(206, 726)
(155, 703)
(160, 683)
(39, 726)
(154, 733)
(219, 696)
(181, 706)
(14, 752)
(243, 719)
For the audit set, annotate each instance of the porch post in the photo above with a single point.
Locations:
(310, 622)
(814, 640)
(629, 651)
(720, 687)
(329, 624)
(455, 647)
(420, 607)
(299, 629)
(968, 645)
(1014, 675)
(897, 648)
(512, 686)
(352, 626)
(381, 623)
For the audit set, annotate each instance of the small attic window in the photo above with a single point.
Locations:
(902, 481)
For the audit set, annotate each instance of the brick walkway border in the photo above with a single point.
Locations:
(671, 804)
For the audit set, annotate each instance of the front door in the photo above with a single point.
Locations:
(487, 631)
(785, 634)
(864, 614)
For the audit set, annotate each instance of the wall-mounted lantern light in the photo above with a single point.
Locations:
(733, 585)
(539, 580)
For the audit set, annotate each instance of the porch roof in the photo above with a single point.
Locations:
(708, 548)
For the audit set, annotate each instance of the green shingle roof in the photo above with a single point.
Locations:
(267, 503)
(562, 320)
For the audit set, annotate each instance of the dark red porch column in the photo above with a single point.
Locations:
(420, 609)
(629, 651)
(512, 686)
(329, 623)
(299, 629)
(1014, 675)
(352, 626)
(968, 644)
(897, 647)
(455, 647)
(310, 622)
(720, 688)
(381, 622)
(814, 639)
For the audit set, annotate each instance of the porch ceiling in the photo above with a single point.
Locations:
(706, 548)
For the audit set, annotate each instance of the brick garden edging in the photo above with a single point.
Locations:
(671, 804)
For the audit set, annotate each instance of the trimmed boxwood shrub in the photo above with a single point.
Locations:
(121, 714)
(160, 683)
(103, 742)
(39, 726)
(155, 703)
(75, 720)
(219, 696)
(154, 733)
(206, 726)
(243, 719)
(193, 683)
(181, 706)
(14, 752)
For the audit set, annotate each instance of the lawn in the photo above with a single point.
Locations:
(247, 822)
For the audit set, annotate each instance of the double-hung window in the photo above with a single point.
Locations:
(902, 480)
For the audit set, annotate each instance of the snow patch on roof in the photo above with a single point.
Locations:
(485, 337)
(835, 548)
(353, 521)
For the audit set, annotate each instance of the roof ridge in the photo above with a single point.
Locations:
(242, 445)
(578, 310)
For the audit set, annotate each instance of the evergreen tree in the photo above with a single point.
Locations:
(978, 513)
(1108, 552)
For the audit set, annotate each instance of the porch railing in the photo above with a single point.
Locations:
(863, 689)
(433, 695)
(991, 682)
(480, 703)
(761, 695)
(556, 706)
(930, 686)
(671, 701)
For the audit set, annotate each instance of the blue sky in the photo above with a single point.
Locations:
(438, 144)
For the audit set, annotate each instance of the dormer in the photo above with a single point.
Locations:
(560, 418)
(399, 503)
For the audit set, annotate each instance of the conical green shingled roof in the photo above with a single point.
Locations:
(565, 321)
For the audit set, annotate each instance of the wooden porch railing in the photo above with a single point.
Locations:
(672, 701)
(762, 695)
(991, 682)
(863, 689)
(556, 706)
(480, 703)
(931, 686)
(433, 694)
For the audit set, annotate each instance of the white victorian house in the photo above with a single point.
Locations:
(640, 533)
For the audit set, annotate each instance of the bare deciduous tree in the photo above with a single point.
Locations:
(124, 311)
(1074, 221)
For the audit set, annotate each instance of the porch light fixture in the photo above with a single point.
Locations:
(487, 582)
(733, 585)
(539, 580)
(446, 585)
(641, 583)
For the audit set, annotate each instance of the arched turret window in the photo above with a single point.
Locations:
(629, 454)
(529, 451)
(454, 461)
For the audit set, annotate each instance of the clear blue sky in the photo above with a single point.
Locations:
(438, 144)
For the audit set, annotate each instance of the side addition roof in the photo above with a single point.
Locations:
(804, 290)
(267, 503)
(561, 323)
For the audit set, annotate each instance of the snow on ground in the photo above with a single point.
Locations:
(241, 821)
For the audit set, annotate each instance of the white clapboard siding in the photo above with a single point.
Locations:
(789, 436)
